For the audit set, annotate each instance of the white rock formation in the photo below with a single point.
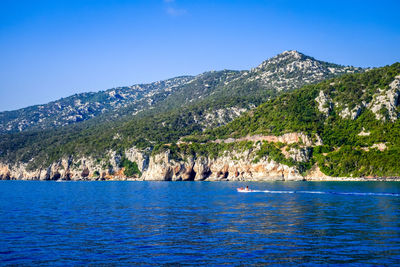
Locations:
(364, 133)
(232, 166)
(220, 116)
(387, 99)
(346, 113)
(288, 138)
(324, 103)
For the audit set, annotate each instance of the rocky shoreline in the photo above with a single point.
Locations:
(265, 179)
(240, 164)
(233, 166)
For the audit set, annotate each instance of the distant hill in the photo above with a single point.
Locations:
(82, 107)
(242, 89)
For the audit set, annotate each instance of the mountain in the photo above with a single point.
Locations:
(237, 90)
(291, 70)
(264, 130)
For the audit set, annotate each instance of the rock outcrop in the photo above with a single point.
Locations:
(220, 116)
(385, 102)
(288, 138)
(352, 114)
(324, 103)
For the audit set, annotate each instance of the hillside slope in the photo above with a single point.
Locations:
(226, 89)
(81, 107)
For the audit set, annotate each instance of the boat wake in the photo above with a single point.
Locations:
(325, 193)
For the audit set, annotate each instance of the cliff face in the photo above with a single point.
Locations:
(249, 164)
(82, 168)
(232, 166)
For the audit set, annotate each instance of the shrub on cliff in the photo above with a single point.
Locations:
(130, 168)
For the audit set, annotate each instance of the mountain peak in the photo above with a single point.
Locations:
(287, 56)
(291, 69)
(291, 53)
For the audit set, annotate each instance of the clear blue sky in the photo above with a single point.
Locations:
(55, 48)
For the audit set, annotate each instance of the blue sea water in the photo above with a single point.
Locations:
(205, 223)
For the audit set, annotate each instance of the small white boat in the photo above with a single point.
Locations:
(244, 190)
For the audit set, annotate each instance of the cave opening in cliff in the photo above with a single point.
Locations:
(206, 174)
(191, 175)
(56, 176)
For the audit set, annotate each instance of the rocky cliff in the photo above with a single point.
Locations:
(162, 166)
(231, 165)
(249, 164)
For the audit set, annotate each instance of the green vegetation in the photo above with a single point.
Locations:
(210, 149)
(130, 168)
(298, 112)
(351, 161)
(274, 152)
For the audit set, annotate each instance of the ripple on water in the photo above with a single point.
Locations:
(132, 223)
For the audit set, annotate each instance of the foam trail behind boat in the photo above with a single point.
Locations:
(326, 193)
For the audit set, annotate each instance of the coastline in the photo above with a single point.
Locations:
(266, 179)
(235, 166)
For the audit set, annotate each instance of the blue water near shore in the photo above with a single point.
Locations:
(206, 223)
